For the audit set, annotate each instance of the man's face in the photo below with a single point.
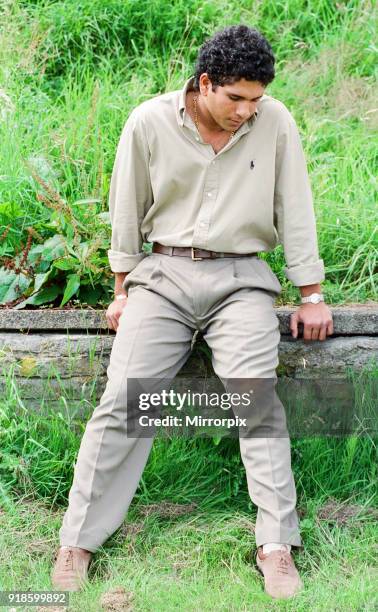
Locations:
(232, 105)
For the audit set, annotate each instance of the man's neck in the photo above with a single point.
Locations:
(204, 117)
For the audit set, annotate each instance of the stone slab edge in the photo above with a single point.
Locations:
(350, 319)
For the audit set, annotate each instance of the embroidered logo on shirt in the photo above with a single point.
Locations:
(252, 165)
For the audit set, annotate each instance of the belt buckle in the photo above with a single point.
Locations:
(193, 256)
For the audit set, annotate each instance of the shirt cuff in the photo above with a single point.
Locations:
(307, 274)
(122, 262)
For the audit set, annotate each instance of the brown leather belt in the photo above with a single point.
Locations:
(194, 253)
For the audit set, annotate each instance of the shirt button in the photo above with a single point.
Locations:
(209, 194)
(197, 138)
(202, 224)
(213, 162)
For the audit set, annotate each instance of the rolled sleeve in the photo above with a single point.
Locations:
(294, 216)
(130, 195)
(121, 262)
(309, 274)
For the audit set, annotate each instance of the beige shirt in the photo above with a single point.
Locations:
(169, 186)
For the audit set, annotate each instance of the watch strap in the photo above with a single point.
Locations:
(308, 298)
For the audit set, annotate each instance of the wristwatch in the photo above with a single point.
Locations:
(120, 296)
(314, 298)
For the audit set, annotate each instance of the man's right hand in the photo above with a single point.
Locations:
(114, 312)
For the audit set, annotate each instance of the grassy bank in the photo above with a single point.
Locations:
(200, 560)
(188, 539)
(71, 73)
(38, 448)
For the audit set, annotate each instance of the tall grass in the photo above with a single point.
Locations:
(39, 448)
(70, 73)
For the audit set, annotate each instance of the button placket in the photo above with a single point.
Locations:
(210, 192)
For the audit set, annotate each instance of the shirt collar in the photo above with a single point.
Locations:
(181, 110)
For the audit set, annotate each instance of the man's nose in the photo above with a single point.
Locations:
(245, 111)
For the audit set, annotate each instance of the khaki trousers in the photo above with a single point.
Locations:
(230, 300)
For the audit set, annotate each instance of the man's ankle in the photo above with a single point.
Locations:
(270, 546)
(65, 546)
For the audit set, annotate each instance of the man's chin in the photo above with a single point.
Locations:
(232, 126)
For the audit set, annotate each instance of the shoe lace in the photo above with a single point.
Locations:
(282, 564)
(68, 559)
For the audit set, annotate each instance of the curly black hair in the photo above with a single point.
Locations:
(234, 53)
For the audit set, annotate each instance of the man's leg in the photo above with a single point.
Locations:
(153, 340)
(243, 333)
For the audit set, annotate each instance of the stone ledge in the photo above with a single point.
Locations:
(70, 355)
(349, 319)
(59, 354)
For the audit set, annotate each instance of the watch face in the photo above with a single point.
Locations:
(315, 299)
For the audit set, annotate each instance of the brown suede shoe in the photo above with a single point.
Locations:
(281, 576)
(70, 568)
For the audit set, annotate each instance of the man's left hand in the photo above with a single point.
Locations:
(317, 321)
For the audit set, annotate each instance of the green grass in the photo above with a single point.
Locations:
(70, 73)
(204, 560)
(39, 446)
(187, 541)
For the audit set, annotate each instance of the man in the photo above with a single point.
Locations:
(211, 174)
